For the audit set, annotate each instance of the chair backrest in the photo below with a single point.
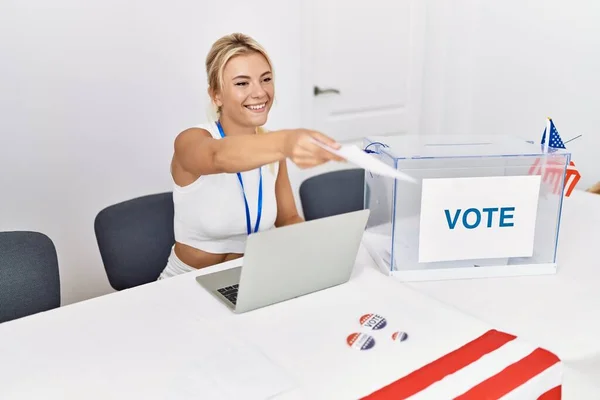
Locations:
(135, 238)
(333, 193)
(29, 276)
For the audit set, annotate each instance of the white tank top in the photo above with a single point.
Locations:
(210, 213)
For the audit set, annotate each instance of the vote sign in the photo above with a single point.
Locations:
(478, 218)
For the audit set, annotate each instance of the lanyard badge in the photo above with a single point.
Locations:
(260, 192)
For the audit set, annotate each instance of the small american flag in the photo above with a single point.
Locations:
(552, 173)
(554, 141)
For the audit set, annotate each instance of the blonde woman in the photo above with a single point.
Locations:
(230, 176)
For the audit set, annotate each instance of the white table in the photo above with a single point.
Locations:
(171, 340)
(133, 344)
(559, 312)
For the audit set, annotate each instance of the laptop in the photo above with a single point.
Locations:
(284, 263)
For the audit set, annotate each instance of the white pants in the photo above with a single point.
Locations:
(175, 267)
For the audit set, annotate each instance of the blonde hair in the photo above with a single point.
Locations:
(224, 50)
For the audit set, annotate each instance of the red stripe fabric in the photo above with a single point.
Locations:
(512, 376)
(448, 364)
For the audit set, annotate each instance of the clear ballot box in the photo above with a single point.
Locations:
(482, 206)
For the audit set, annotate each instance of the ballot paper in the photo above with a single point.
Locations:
(358, 157)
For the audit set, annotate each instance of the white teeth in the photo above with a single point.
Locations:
(257, 107)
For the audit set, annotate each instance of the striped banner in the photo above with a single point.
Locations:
(553, 173)
(496, 365)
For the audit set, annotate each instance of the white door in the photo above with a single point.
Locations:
(363, 63)
(363, 66)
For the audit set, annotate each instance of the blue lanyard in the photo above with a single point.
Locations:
(259, 212)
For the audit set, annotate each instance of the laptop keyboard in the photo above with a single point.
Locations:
(230, 293)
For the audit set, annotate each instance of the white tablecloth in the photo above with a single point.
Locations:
(155, 341)
(173, 340)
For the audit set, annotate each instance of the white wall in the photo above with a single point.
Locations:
(550, 63)
(92, 95)
(503, 67)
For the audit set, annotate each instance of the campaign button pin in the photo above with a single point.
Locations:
(399, 336)
(360, 341)
(373, 321)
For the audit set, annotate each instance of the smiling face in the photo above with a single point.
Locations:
(247, 90)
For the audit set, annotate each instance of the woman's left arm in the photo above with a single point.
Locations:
(287, 213)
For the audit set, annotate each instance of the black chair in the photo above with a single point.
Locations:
(29, 276)
(135, 238)
(333, 193)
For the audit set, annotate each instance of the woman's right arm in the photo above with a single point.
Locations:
(199, 154)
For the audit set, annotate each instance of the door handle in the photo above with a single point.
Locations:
(317, 91)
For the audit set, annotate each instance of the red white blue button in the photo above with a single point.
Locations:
(360, 341)
(399, 336)
(373, 321)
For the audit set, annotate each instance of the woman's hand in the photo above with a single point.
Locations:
(299, 146)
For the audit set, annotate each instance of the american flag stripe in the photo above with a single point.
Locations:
(545, 384)
(512, 377)
(552, 394)
(448, 364)
(492, 366)
(552, 173)
(478, 371)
